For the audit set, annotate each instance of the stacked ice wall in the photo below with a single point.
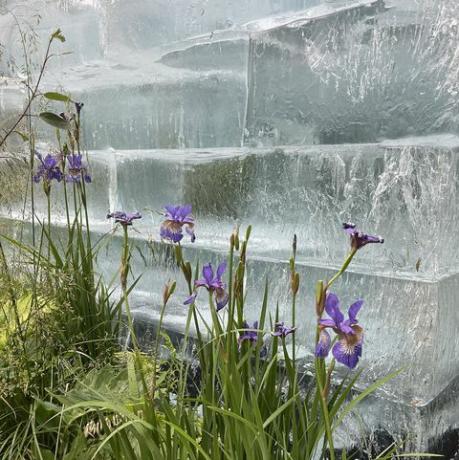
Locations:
(293, 116)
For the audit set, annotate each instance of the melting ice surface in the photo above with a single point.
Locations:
(293, 116)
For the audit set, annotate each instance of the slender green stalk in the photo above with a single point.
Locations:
(342, 269)
(48, 203)
(157, 342)
(123, 276)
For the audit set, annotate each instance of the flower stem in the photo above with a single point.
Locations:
(342, 269)
(124, 274)
(48, 200)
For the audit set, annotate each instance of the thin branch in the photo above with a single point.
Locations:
(32, 96)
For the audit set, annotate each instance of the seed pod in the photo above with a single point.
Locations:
(186, 269)
(169, 289)
(295, 283)
(234, 239)
(320, 298)
(178, 254)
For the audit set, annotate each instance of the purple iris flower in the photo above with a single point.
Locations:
(348, 349)
(48, 169)
(124, 218)
(359, 239)
(250, 333)
(177, 219)
(280, 330)
(77, 169)
(213, 283)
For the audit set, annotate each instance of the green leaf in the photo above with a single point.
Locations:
(279, 411)
(53, 96)
(47, 414)
(23, 136)
(54, 120)
(371, 389)
(43, 454)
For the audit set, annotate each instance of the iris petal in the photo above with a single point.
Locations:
(347, 353)
(323, 345)
(208, 273)
(346, 328)
(327, 323)
(354, 309)
(221, 299)
(190, 299)
(332, 308)
(221, 269)
(185, 210)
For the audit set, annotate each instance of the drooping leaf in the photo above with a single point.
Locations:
(54, 120)
(58, 35)
(53, 96)
(22, 135)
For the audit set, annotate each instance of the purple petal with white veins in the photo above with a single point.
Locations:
(347, 354)
(167, 234)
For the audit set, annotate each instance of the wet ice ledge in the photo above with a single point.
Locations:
(404, 190)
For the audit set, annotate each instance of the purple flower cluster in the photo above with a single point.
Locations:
(213, 284)
(124, 218)
(48, 169)
(348, 349)
(177, 219)
(358, 238)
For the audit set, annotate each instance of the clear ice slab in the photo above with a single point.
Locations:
(375, 71)
(155, 106)
(402, 189)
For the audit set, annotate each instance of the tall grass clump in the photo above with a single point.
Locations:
(57, 319)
